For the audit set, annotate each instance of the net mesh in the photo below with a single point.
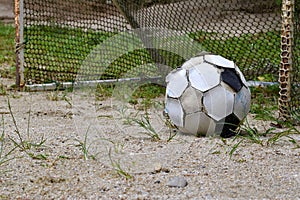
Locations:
(72, 39)
(295, 82)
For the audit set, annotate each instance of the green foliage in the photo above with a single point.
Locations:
(59, 49)
(118, 168)
(58, 95)
(2, 89)
(247, 50)
(7, 46)
(288, 133)
(145, 123)
(7, 34)
(149, 91)
(65, 50)
(270, 136)
(264, 102)
(130, 64)
(26, 144)
(5, 156)
(103, 91)
(84, 146)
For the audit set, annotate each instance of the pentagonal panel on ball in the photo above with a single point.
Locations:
(204, 77)
(175, 111)
(193, 62)
(176, 83)
(218, 102)
(242, 103)
(230, 77)
(219, 61)
(228, 126)
(191, 100)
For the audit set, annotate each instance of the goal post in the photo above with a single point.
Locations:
(289, 65)
(54, 39)
(286, 65)
(19, 40)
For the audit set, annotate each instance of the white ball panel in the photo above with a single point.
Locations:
(241, 75)
(192, 122)
(177, 83)
(219, 127)
(191, 100)
(199, 124)
(175, 111)
(193, 62)
(170, 75)
(174, 73)
(218, 103)
(207, 125)
(242, 103)
(219, 61)
(227, 87)
(204, 77)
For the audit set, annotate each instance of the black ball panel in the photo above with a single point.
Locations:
(230, 77)
(228, 126)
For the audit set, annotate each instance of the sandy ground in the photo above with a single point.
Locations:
(57, 169)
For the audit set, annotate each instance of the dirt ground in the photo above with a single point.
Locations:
(121, 162)
(6, 11)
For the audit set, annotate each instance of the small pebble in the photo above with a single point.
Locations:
(157, 167)
(177, 181)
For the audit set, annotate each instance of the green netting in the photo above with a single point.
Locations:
(59, 35)
(96, 39)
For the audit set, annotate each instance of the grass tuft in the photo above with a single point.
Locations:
(266, 138)
(26, 145)
(5, 156)
(117, 167)
(84, 147)
(145, 123)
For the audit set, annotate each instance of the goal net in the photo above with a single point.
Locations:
(91, 40)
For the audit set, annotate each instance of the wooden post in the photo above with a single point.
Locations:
(19, 40)
(286, 65)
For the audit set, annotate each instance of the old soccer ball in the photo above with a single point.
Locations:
(207, 96)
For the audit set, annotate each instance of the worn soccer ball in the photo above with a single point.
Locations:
(207, 96)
